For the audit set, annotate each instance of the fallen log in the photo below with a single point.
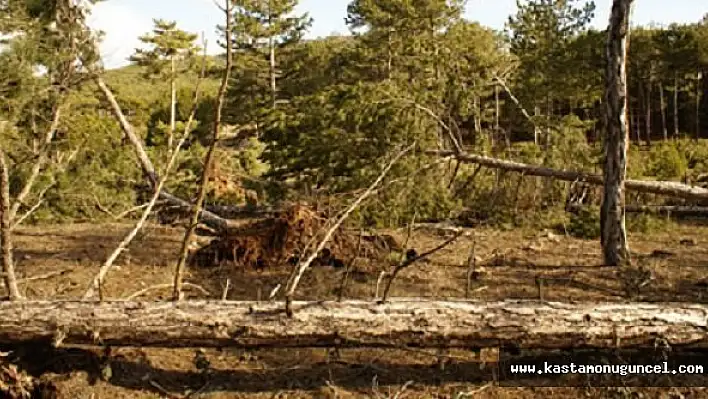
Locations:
(678, 210)
(667, 188)
(208, 218)
(402, 322)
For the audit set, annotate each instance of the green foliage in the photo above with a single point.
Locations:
(646, 224)
(585, 223)
(666, 162)
(169, 44)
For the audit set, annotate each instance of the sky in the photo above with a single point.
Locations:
(124, 20)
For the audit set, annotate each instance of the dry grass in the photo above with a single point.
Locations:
(67, 258)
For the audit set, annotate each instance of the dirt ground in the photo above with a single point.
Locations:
(60, 261)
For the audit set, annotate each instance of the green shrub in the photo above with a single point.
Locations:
(667, 162)
(585, 223)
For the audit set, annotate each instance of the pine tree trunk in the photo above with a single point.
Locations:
(641, 103)
(536, 133)
(662, 105)
(271, 58)
(633, 132)
(698, 105)
(676, 107)
(613, 234)
(8, 264)
(647, 105)
(173, 105)
(496, 108)
(398, 323)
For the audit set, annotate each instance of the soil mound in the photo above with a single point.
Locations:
(279, 241)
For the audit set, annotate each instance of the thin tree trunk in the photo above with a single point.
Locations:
(389, 58)
(271, 58)
(496, 108)
(477, 114)
(647, 109)
(641, 111)
(698, 105)
(662, 105)
(549, 115)
(189, 234)
(612, 221)
(536, 133)
(633, 125)
(8, 264)
(676, 106)
(173, 105)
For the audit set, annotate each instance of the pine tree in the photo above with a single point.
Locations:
(539, 35)
(170, 46)
(263, 28)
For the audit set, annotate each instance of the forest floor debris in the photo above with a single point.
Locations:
(570, 268)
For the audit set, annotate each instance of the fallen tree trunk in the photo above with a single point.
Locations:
(210, 219)
(668, 188)
(679, 210)
(402, 322)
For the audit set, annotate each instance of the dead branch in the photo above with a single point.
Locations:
(302, 266)
(142, 292)
(201, 194)
(8, 264)
(44, 276)
(39, 163)
(98, 279)
(519, 105)
(412, 259)
(667, 188)
(471, 265)
(40, 201)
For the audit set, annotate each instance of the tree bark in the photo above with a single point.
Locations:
(676, 107)
(698, 105)
(399, 322)
(173, 105)
(683, 210)
(208, 218)
(8, 264)
(612, 221)
(662, 105)
(668, 188)
(647, 109)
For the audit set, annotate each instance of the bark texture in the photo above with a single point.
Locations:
(668, 188)
(7, 263)
(613, 233)
(410, 322)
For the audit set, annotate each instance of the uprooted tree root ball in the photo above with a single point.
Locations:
(17, 384)
(280, 240)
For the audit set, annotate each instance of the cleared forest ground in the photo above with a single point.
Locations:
(58, 262)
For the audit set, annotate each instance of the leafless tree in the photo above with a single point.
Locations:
(197, 209)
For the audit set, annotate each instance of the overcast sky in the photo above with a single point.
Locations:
(125, 20)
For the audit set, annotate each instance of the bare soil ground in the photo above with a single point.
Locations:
(60, 261)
